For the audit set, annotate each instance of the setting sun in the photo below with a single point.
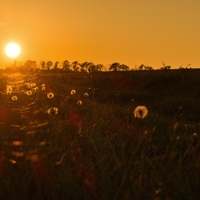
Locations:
(12, 50)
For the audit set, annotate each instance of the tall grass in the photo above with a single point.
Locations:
(98, 149)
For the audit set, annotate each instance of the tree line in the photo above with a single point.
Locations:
(76, 66)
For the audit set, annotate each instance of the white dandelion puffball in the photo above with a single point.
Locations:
(29, 93)
(52, 111)
(14, 98)
(73, 92)
(86, 94)
(140, 112)
(50, 95)
(79, 102)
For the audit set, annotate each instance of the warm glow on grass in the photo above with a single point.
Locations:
(12, 50)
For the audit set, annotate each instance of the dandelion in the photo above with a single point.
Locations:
(29, 93)
(79, 102)
(9, 90)
(140, 112)
(35, 89)
(43, 85)
(14, 98)
(86, 94)
(50, 95)
(73, 92)
(52, 111)
(43, 88)
(32, 85)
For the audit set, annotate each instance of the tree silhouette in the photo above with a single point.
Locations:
(114, 66)
(99, 67)
(144, 67)
(75, 65)
(49, 64)
(118, 67)
(42, 64)
(66, 65)
(124, 67)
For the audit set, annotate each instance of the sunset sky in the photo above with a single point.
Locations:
(131, 32)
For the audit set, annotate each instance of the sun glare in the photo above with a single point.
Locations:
(12, 50)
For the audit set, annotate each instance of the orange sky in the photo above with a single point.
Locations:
(131, 32)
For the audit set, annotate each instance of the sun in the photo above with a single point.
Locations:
(12, 50)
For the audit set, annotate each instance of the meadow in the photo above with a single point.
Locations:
(76, 136)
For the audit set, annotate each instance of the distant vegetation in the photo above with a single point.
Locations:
(75, 66)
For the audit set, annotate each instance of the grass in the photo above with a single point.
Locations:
(98, 150)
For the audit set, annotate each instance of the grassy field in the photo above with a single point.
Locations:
(75, 136)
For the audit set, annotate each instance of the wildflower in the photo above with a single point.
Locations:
(52, 111)
(9, 90)
(140, 112)
(14, 98)
(86, 94)
(50, 95)
(43, 88)
(35, 89)
(73, 92)
(79, 102)
(32, 85)
(29, 93)
(43, 85)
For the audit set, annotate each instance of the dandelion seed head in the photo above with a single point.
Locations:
(43, 88)
(79, 102)
(73, 92)
(8, 92)
(29, 93)
(9, 88)
(35, 89)
(50, 95)
(52, 111)
(14, 98)
(86, 94)
(140, 112)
